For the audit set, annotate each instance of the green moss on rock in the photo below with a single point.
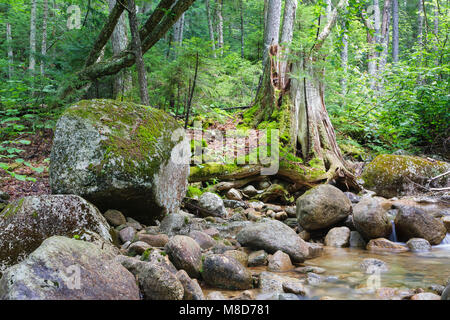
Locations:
(393, 175)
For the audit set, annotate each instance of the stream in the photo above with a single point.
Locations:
(343, 280)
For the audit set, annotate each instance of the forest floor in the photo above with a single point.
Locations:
(37, 154)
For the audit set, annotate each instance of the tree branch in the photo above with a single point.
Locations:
(329, 26)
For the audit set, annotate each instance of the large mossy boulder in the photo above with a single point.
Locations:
(322, 207)
(393, 175)
(26, 223)
(120, 155)
(68, 269)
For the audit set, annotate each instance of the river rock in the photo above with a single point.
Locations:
(338, 237)
(226, 272)
(192, 290)
(26, 222)
(371, 219)
(250, 191)
(68, 269)
(322, 206)
(417, 244)
(356, 240)
(240, 256)
(120, 155)
(371, 266)
(395, 175)
(173, 223)
(156, 279)
(425, 296)
(213, 203)
(185, 254)
(446, 221)
(257, 258)
(154, 240)
(215, 295)
(382, 244)
(233, 194)
(353, 197)
(138, 248)
(127, 234)
(446, 294)
(204, 240)
(279, 262)
(115, 218)
(412, 222)
(273, 235)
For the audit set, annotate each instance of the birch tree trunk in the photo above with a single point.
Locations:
(372, 41)
(210, 28)
(137, 49)
(44, 36)
(32, 65)
(10, 51)
(220, 43)
(119, 41)
(395, 31)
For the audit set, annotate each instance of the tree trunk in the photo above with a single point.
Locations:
(287, 33)
(395, 31)
(385, 35)
(420, 24)
(344, 63)
(302, 116)
(210, 28)
(272, 27)
(33, 37)
(241, 7)
(44, 36)
(220, 43)
(10, 51)
(137, 49)
(119, 42)
(178, 30)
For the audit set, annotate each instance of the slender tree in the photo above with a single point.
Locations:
(137, 50)
(10, 50)
(385, 35)
(32, 65)
(395, 31)
(210, 27)
(44, 36)
(219, 12)
(241, 9)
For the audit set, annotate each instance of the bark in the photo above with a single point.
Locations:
(220, 43)
(272, 27)
(395, 31)
(344, 62)
(372, 32)
(119, 42)
(385, 26)
(210, 28)
(44, 36)
(137, 49)
(10, 51)
(329, 9)
(377, 20)
(241, 7)
(33, 37)
(178, 30)
(287, 34)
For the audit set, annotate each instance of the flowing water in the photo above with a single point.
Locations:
(407, 270)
